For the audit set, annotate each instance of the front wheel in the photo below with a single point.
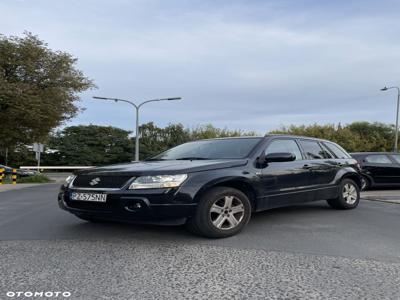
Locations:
(222, 212)
(349, 195)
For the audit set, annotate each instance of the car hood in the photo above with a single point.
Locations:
(164, 167)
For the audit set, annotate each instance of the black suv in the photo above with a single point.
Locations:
(379, 169)
(214, 185)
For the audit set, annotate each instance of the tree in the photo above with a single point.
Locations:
(373, 136)
(38, 89)
(155, 140)
(89, 145)
(208, 131)
(354, 137)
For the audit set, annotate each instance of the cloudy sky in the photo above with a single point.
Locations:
(253, 65)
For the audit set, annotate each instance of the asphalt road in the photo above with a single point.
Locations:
(308, 252)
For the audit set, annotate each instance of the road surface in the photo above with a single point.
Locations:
(308, 251)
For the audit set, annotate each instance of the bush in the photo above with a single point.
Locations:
(40, 178)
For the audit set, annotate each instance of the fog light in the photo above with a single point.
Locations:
(133, 207)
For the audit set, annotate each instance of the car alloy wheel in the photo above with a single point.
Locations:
(349, 193)
(227, 212)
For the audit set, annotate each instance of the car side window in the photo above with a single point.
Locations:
(312, 149)
(339, 152)
(396, 157)
(378, 159)
(326, 153)
(288, 146)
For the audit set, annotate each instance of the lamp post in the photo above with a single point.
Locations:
(137, 107)
(396, 138)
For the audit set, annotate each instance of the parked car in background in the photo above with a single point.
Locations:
(20, 172)
(379, 169)
(7, 170)
(26, 172)
(215, 185)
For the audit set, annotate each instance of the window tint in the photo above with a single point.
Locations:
(337, 150)
(378, 159)
(312, 149)
(288, 146)
(326, 152)
(396, 158)
(211, 149)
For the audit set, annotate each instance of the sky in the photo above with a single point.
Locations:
(250, 65)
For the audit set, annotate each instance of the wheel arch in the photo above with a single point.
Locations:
(369, 177)
(353, 176)
(240, 184)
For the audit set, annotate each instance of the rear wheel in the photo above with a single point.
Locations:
(221, 212)
(349, 195)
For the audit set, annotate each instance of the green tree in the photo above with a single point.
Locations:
(208, 131)
(373, 136)
(38, 89)
(89, 145)
(154, 140)
(354, 137)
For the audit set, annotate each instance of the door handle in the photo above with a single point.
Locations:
(307, 167)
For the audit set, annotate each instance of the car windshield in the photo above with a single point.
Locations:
(210, 149)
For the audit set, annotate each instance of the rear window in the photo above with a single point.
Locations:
(337, 150)
(378, 159)
(396, 158)
(327, 152)
(312, 149)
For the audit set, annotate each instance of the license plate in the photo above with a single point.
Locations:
(89, 197)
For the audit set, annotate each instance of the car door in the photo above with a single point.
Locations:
(382, 169)
(323, 168)
(284, 183)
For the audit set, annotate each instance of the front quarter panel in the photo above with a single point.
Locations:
(199, 182)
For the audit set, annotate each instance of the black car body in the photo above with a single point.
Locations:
(266, 172)
(379, 169)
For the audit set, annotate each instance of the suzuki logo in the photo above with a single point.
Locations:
(94, 181)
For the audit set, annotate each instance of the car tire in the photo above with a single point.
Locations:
(221, 212)
(365, 183)
(90, 219)
(349, 195)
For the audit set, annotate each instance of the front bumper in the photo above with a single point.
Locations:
(149, 206)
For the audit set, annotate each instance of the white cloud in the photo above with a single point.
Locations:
(242, 65)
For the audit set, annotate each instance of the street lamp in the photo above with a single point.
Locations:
(396, 138)
(137, 107)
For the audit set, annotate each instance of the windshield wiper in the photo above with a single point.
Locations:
(192, 158)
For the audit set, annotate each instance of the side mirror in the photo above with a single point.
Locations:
(280, 157)
(263, 160)
(275, 157)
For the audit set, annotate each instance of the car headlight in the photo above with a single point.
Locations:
(68, 180)
(158, 181)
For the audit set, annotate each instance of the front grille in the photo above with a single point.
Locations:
(93, 181)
